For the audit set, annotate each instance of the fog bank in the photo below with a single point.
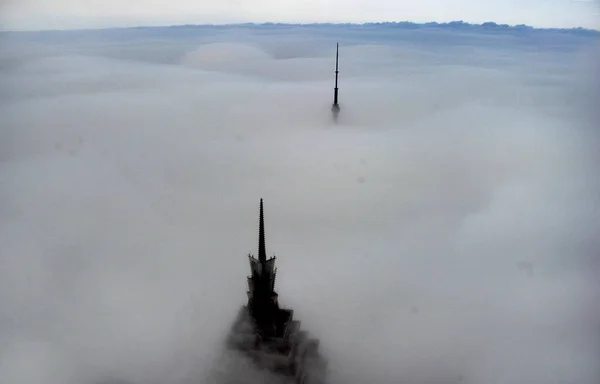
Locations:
(444, 231)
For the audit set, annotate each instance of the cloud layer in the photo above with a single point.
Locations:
(445, 230)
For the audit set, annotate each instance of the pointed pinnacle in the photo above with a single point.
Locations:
(262, 253)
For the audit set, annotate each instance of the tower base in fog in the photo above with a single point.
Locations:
(294, 357)
(335, 110)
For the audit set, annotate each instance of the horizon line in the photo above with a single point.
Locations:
(486, 24)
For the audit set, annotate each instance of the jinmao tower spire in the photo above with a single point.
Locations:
(269, 334)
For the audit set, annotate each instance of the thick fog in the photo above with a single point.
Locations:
(445, 230)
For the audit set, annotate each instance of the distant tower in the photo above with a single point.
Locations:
(335, 108)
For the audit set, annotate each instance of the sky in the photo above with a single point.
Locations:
(69, 14)
(443, 231)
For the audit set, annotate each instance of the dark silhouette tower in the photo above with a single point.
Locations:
(335, 108)
(269, 334)
(262, 252)
(262, 298)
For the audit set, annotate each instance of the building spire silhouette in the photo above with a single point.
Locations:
(268, 333)
(262, 252)
(335, 90)
(335, 107)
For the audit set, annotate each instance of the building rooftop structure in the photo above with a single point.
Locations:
(268, 333)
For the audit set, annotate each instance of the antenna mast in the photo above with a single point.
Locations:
(335, 108)
(335, 91)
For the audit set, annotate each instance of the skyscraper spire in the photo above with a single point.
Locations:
(262, 252)
(267, 333)
(335, 108)
(335, 90)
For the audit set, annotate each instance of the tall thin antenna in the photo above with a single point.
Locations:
(335, 91)
(335, 108)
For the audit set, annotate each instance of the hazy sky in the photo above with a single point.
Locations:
(444, 231)
(41, 14)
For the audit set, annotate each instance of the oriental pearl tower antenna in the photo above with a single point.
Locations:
(335, 108)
